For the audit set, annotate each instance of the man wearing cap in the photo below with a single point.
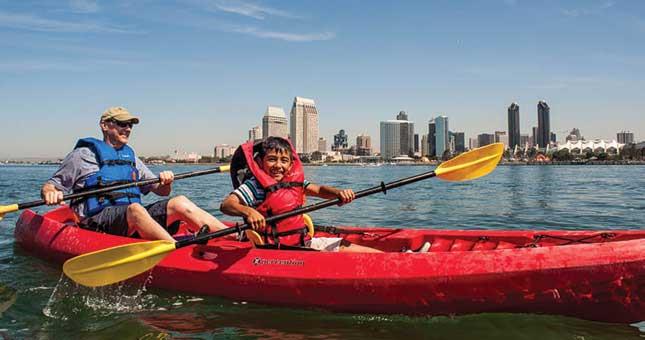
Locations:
(98, 163)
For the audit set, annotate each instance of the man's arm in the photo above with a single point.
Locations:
(164, 188)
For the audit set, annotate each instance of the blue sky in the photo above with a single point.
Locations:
(201, 72)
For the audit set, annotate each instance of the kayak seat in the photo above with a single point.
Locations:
(505, 245)
(462, 245)
(484, 244)
(441, 244)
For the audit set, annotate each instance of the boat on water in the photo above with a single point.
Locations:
(594, 275)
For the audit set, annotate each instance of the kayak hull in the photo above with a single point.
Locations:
(594, 275)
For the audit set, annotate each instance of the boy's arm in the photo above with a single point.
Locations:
(326, 191)
(234, 207)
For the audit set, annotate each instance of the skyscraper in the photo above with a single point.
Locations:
(514, 125)
(544, 124)
(304, 125)
(407, 134)
(416, 143)
(460, 142)
(255, 134)
(274, 122)
(363, 145)
(432, 142)
(484, 139)
(625, 137)
(441, 137)
(534, 134)
(501, 137)
(340, 141)
(390, 139)
(322, 144)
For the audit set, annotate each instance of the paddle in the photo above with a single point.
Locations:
(19, 206)
(119, 263)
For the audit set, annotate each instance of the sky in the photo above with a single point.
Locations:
(202, 72)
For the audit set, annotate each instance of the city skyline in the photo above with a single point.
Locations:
(203, 78)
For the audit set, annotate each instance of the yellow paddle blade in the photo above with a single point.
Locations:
(112, 265)
(225, 168)
(7, 209)
(472, 164)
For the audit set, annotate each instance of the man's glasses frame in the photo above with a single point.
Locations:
(127, 124)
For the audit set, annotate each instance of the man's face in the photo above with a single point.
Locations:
(117, 133)
(276, 164)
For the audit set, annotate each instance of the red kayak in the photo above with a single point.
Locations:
(595, 275)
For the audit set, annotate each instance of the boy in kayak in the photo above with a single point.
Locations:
(98, 163)
(277, 185)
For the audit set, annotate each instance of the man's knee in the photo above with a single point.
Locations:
(179, 204)
(136, 209)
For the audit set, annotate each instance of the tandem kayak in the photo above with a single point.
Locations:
(594, 275)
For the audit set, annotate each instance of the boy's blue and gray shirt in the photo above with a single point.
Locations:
(251, 193)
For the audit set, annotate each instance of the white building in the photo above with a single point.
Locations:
(255, 134)
(597, 145)
(304, 125)
(391, 138)
(224, 150)
(274, 122)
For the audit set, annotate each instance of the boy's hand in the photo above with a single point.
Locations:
(255, 219)
(345, 196)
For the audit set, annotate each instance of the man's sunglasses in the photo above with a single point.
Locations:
(122, 124)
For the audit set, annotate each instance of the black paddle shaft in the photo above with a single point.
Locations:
(324, 204)
(119, 187)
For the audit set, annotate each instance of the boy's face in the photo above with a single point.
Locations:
(276, 164)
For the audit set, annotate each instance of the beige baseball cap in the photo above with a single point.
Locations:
(119, 113)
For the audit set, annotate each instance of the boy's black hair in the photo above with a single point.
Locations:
(277, 144)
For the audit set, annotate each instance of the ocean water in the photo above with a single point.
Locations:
(36, 301)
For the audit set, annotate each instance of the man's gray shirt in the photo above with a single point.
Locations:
(80, 164)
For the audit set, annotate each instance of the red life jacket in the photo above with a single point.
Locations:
(281, 197)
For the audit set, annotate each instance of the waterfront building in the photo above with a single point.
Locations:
(322, 145)
(594, 146)
(524, 140)
(472, 143)
(460, 142)
(340, 141)
(432, 138)
(424, 146)
(553, 138)
(255, 134)
(534, 133)
(304, 125)
(363, 145)
(391, 138)
(501, 137)
(485, 139)
(441, 135)
(574, 136)
(402, 116)
(544, 123)
(186, 157)
(223, 150)
(274, 122)
(514, 126)
(407, 134)
(416, 143)
(625, 137)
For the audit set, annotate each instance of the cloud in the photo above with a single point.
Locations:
(248, 9)
(286, 36)
(33, 23)
(84, 6)
(576, 12)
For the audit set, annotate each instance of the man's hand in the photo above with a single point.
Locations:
(166, 177)
(345, 196)
(51, 195)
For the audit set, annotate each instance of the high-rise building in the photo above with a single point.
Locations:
(390, 139)
(524, 139)
(441, 137)
(625, 137)
(304, 125)
(340, 141)
(322, 144)
(460, 142)
(274, 123)
(534, 134)
(407, 134)
(402, 116)
(424, 146)
(552, 137)
(255, 134)
(416, 143)
(574, 135)
(514, 125)
(363, 145)
(485, 139)
(544, 124)
(432, 140)
(501, 137)
(472, 143)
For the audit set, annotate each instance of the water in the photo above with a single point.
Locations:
(36, 301)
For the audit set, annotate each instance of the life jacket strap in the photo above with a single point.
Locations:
(283, 185)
